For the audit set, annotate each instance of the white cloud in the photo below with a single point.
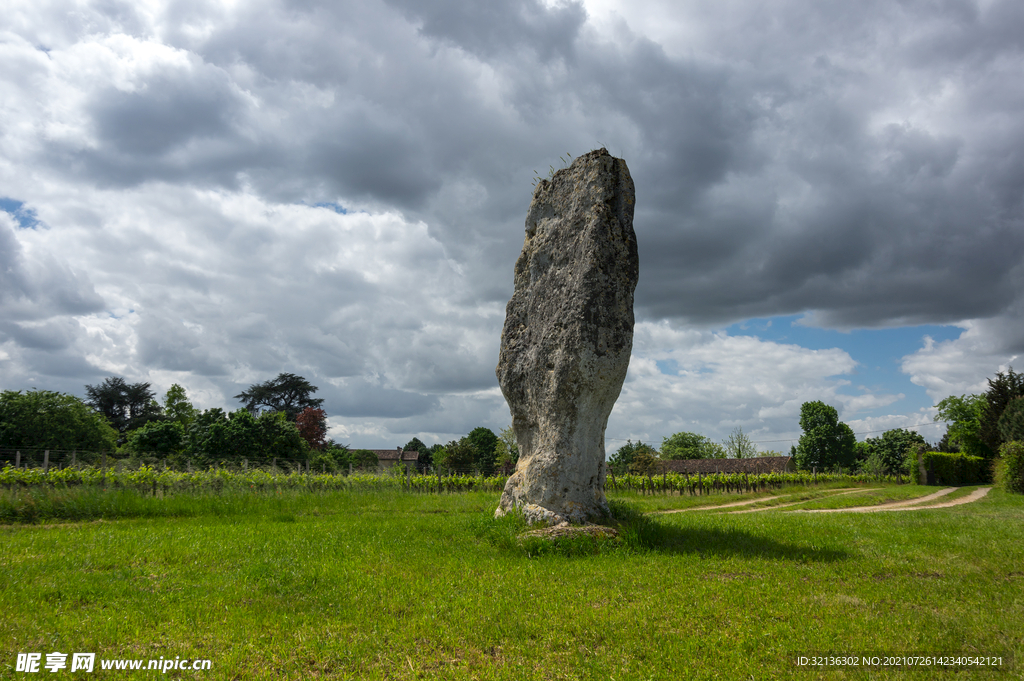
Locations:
(859, 165)
(959, 366)
(710, 382)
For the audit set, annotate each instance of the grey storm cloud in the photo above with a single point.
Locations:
(860, 163)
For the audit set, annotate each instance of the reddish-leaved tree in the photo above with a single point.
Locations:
(312, 424)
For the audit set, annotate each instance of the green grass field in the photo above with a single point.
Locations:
(367, 585)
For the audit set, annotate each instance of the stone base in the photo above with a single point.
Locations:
(565, 530)
(538, 515)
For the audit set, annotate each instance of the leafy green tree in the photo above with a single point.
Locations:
(1002, 390)
(739, 446)
(126, 405)
(506, 452)
(40, 419)
(964, 415)
(425, 454)
(862, 452)
(873, 463)
(1011, 423)
(623, 458)
(458, 456)
(161, 438)
(644, 460)
(415, 445)
(690, 446)
(287, 393)
(277, 437)
(894, 447)
(364, 459)
(484, 443)
(177, 406)
(208, 437)
(826, 441)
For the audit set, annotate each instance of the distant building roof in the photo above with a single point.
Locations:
(761, 464)
(395, 454)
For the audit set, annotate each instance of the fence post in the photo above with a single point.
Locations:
(46, 460)
(408, 476)
(17, 459)
(74, 458)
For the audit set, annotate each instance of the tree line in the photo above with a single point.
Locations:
(279, 419)
(978, 425)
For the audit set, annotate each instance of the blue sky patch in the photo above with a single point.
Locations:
(26, 217)
(336, 207)
(669, 367)
(878, 353)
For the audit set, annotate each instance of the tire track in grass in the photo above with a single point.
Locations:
(794, 503)
(921, 503)
(748, 502)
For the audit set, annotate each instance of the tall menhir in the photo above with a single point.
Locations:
(567, 338)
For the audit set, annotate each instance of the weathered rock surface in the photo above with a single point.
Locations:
(567, 338)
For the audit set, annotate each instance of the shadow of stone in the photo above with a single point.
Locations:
(654, 533)
(726, 543)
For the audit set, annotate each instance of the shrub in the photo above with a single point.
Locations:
(1010, 467)
(40, 419)
(955, 468)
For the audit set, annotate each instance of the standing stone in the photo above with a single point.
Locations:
(567, 338)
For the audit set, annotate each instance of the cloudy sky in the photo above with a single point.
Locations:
(829, 201)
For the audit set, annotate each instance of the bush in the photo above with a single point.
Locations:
(955, 468)
(1010, 467)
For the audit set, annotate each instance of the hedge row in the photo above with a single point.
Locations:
(1010, 471)
(955, 468)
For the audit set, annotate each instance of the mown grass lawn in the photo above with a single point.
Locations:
(392, 586)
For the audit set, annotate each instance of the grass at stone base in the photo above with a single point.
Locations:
(377, 586)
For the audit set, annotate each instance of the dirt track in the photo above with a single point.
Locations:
(918, 504)
(910, 504)
(748, 502)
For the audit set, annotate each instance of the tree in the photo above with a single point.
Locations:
(1011, 423)
(161, 438)
(208, 436)
(892, 449)
(414, 445)
(287, 393)
(1002, 389)
(964, 415)
(644, 460)
(484, 442)
(624, 457)
(826, 442)
(457, 456)
(126, 405)
(506, 452)
(277, 437)
(41, 419)
(690, 446)
(177, 407)
(739, 446)
(312, 425)
(364, 459)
